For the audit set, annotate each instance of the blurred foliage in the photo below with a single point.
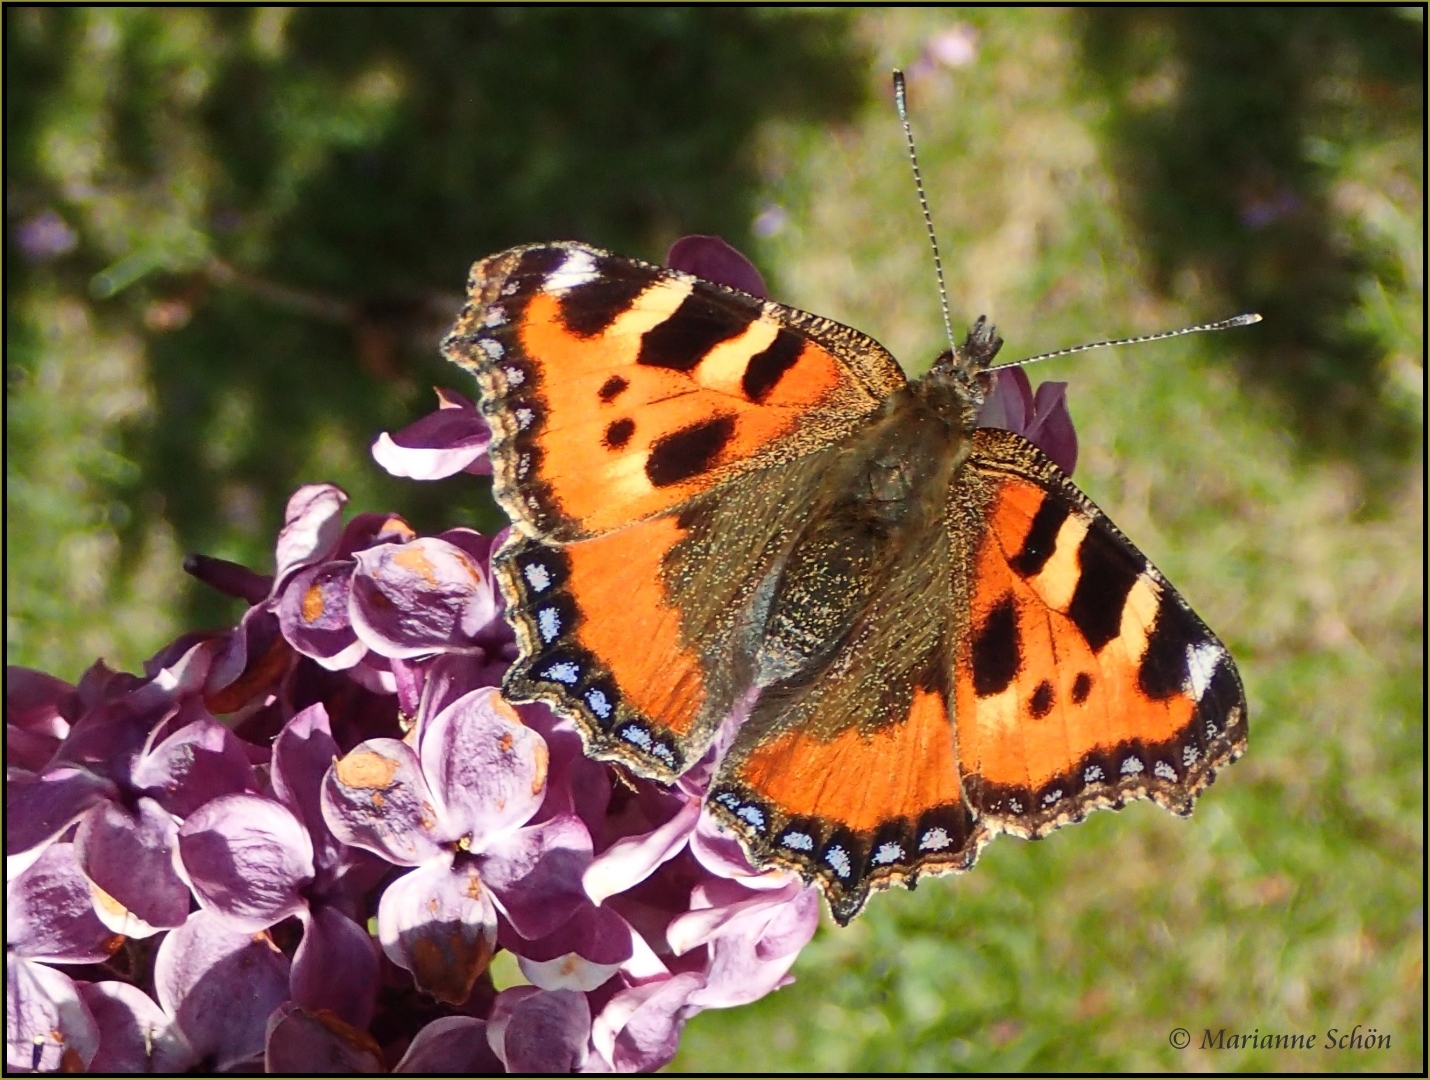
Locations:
(1230, 129)
(234, 237)
(271, 214)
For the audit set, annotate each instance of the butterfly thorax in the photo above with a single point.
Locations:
(883, 493)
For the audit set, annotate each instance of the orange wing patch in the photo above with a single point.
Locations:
(860, 810)
(618, 390)
(601, 642)
(1083, 679)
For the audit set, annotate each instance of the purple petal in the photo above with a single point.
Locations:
(128, 855)
(301, 1042)
(740, 969)
(135, 1035)
(419, 598)
(639, 1028)
(314, 614)
(439, 923)
(541, 1032)
(630, 861)
(49, 913)
(48, 1027)
(536, 874)
(312, 524)
(371, 530)
(302, 754)
(230, 578)
(1053, 432)
(335, 967)
(248, 859)
(451, 1045)
(441, 444)
(220, 985)
(1009, 402)
(198, 762)
(40, 808)
(575, 784)
(248, 664)
(723, 907)
(1043, 419)
(38, 703)
(717, 849)
(376, 798)
(581, 955)
(487, 768)
(27, 752)
(711, 258)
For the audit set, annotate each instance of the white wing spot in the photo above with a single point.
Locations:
(495, 351)
(1190, 754)
(838, 860)
(1202, 660)
(888, 853)
(936, 839)
(1165, 771)
(1132, 766)
(496, 315)
(510, 289)
(727, 799)
(1015, 806)
(798, 841)
(751, 814)
(548, 622)
(514, 375)
(537, 576)
(564, 672)
(522, 468)
(1092, 774)
(578, 269)
(637, 736)
(1052, 797)
(600, 704)
(660, 750)
(524, 418)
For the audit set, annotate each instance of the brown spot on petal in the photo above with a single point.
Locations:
(313, 606)
(416, 560)
(366, 769)
(503, 708)
(377, 800)
(474, 887)
(506, 742)
(543, 758)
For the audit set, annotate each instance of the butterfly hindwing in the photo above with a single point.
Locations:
(617, 390)
(1083, 679)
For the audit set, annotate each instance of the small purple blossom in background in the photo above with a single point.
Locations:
(1041, 418)
(297, 845)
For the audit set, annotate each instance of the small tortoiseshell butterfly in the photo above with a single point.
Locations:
(716, 499)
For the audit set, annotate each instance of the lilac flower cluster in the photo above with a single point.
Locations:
(300, 842)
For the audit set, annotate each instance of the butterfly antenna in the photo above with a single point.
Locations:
(901, 103)
(1224, 324)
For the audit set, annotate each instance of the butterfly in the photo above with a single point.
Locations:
(721, 505)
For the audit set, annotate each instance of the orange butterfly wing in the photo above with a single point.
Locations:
(617, 390)
(1074, 677)
(1084, 679)
(619, 395)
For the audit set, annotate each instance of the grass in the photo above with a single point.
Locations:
(177, 414)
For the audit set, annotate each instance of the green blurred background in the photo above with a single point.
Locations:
(234, 238)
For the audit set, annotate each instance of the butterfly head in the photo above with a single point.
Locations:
(966, 365)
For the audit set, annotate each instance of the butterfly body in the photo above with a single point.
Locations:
(725, 507)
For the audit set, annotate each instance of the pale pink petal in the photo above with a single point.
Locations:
(439, 923)
(135, 1035)
(376, 798)
(451, 1045)
(247, 858)
(303, 1043)
(630, 861)
(48, 1027)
